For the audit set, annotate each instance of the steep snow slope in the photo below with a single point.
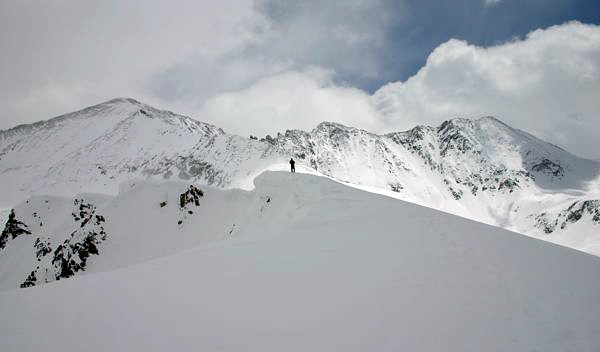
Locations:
(480, 169)
(326, 267)
(95, 149)
(53, 238)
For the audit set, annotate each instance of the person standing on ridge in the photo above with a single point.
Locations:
(292, 163)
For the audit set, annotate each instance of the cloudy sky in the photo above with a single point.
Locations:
(262, 66)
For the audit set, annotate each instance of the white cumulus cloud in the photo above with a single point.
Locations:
(547, 84)
(289, 100)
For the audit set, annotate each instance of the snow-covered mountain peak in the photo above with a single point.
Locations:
(131, 108)
(123, 100)
(486, 138)
(332, 126)
(110, 113)
(479, 168)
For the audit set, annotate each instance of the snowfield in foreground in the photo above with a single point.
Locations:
(318, 267)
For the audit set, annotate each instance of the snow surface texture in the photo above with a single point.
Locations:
(96, 233)
(479, 169)
(311, 265)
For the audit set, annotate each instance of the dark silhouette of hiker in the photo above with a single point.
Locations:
(292, 163)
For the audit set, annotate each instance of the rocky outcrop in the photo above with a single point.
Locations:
(192, 195)
(188, 199)
(574, 213)
(13, 229)
(71, 256)
(42, 247)
(549, 167)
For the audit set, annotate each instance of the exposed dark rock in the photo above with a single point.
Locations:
(84, 210)
(192, 195)
(457, 194)
(574, 213)
(396, 187)
(71, 256)
(549, 167)
(542, 222)
(508, 184)
(30, 280)
(269, 140)
(42, 247)
(13, 229)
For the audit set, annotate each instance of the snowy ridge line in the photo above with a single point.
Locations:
(311, 265)
(480, 169)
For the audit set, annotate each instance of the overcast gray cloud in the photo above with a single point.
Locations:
(346, 36)
(60, 55)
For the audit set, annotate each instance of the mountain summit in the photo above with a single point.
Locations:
(480, 169)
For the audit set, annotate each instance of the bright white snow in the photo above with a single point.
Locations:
(479, 169)
(319, 267)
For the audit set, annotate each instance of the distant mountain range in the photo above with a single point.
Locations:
(479, 169)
